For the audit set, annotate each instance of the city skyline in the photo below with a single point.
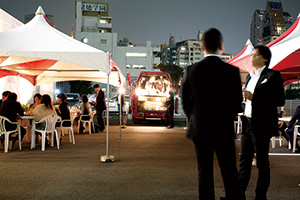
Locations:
(156, 20)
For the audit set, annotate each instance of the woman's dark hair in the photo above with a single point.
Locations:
(46, 99)
(84, 98)
(212, 39)
(12, 96)
(38, 95)
(6, 93)
(265, 53)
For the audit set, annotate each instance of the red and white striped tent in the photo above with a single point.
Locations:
(285, 55)
(240, 58)
(41, 54)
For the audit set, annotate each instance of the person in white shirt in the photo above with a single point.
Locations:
(264, 92)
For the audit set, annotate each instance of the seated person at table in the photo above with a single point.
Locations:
(290, 129)
(85, 109)
(282, 125)
(44, 109)
(12, 110)
(63, 109)
(37, 101)
(4, 97)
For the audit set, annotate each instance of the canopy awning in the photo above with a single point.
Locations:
(42, 54)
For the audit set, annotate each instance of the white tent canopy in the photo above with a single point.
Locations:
(8, 22)
(38, 50)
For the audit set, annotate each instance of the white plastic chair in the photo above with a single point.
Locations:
(296, 133)
(6, 134)
(89, 122)
(61, 129)
(48, 126)
(281, 140)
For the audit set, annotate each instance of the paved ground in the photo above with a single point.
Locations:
(152, 162)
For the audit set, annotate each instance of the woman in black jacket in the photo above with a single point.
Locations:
(63, 109)
(12, 110)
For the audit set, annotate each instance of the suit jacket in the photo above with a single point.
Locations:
(100, 101)
(64, 113)
(10, 109)
(293, 120)
(268, 95)
(212, 97)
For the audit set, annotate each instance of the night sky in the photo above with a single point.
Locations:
(156, 20)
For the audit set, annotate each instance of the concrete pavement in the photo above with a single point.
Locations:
(152, 162)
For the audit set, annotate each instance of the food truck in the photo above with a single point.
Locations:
(149, 94)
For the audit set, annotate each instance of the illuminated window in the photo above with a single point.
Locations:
(136, 54)
(103, 41)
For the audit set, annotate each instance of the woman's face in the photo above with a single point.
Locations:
(37, 100)
(58, 100)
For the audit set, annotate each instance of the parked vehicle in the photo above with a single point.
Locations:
(73, 99)
(149, 94)
(113, 104)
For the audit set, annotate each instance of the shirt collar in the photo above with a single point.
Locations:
(258, 72)
(211, 55)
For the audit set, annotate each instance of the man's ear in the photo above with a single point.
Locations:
(221, 47)
(202, 47)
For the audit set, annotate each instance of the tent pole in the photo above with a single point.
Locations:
(120, 112)
(107, 117)
(107, 157)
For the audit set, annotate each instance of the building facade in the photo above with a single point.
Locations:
(256, 27)
(186, 52)
(268, 24)
(94, 27)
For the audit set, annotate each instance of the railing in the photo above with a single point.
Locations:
(290, 106)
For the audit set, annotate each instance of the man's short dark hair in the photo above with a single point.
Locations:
(265, 52)
(96, 86)
(212, 39)
(63, 96)
(5, 93)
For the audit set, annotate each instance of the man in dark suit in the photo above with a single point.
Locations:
(264, 92)
(212, 97)
(100, 107)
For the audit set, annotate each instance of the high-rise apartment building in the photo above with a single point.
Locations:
(256, 27)
(288, 20)
(183, 53)
(268, 24)
(94, 27)
(274, 24)
(186, 52)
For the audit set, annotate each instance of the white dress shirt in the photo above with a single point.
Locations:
(250, 87)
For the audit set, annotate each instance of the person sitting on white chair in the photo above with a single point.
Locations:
(12, 110)
(295, 120)
(44, 109)
(85, 109)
